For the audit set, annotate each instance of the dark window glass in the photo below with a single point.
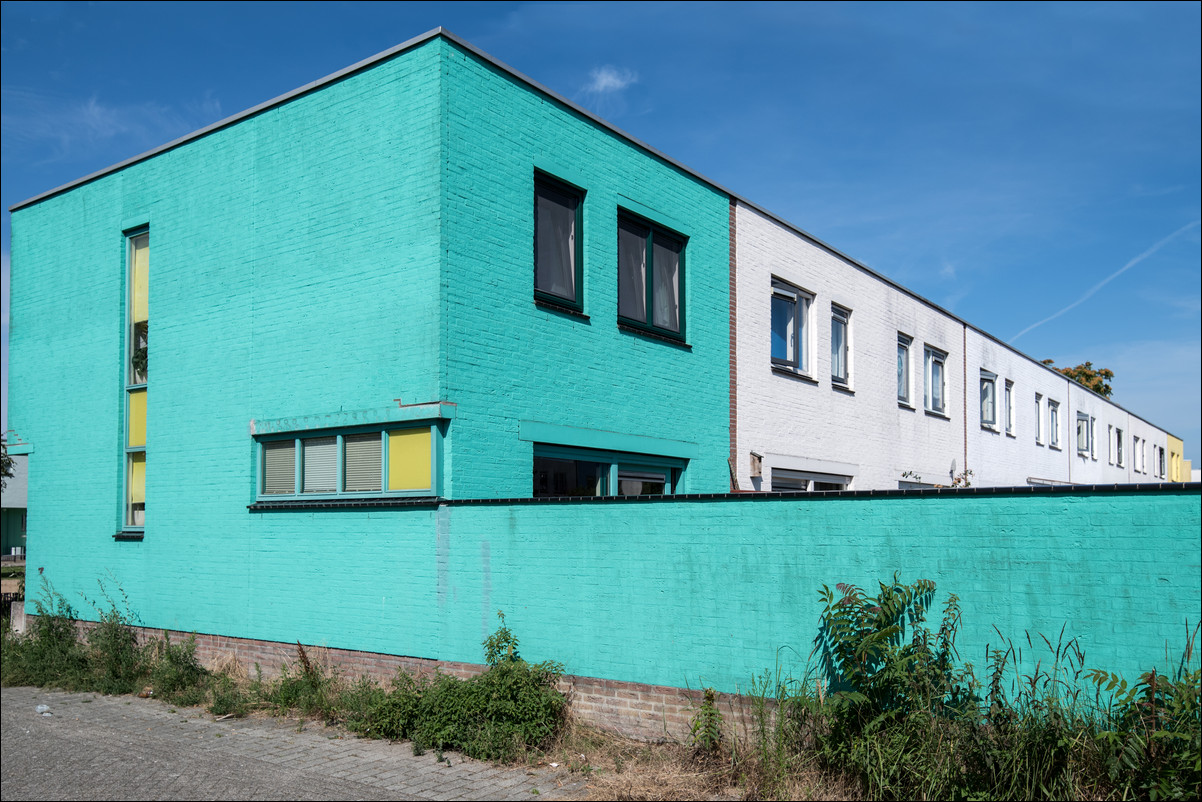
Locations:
(556, 251)
(569, 477)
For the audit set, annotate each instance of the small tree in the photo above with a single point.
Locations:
(1096, 379)
(6, 465)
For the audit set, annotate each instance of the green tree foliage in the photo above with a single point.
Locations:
(1096, 379)
(6, 465)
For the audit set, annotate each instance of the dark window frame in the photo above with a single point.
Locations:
(665, 236)
(551, 184)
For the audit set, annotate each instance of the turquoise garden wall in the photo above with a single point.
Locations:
(682, 592)
(509, 361)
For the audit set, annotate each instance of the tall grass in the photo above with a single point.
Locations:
(890, 707)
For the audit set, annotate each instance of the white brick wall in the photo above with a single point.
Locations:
(807, 423)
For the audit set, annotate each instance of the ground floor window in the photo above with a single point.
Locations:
(787, 480)
(562, 471)
(349, 464)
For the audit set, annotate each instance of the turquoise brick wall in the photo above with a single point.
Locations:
(294, 270)
(508, 360)
(681, 593)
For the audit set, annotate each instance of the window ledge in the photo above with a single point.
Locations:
(559, 306)
(905, 406)
(794, 373)
(985, 427)
(842, 388)
(654, 335)
(933, 414)
(1011, 435)
(1056, 448)
(341, 503)
(128, 534)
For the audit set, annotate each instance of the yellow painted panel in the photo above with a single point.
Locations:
(137, 419)
(137, 478)
(409, 459)
(141, 278)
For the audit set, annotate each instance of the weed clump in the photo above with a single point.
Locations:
(497, 715)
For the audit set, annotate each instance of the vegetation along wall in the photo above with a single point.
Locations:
(686, 592)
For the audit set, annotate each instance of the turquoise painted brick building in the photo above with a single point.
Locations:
(392, 309)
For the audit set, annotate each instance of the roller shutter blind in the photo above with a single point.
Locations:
(361, 469)
(320, 465)
(279, 467)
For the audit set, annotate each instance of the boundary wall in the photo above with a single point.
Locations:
(642, 597)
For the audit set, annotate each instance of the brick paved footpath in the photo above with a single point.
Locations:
(121, 747)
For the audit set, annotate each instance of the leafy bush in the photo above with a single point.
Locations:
(175, 673)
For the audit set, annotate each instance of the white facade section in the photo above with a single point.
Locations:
(913, 410)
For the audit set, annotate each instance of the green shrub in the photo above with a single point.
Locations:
(175, 673)
(49, 654)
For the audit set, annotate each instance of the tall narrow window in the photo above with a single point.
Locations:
(650, 277)
(1084, 440)
(935, 381)
(1039, 419)
(136, 373)
(840, 345)
(558, 246)
(1053, 423)
(1118, 447)
(988, 399)
(1008, 409)
(903, 369)
(790, 326)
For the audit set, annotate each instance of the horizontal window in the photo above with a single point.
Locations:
(787, 480)
(358, 464)
(562, 471)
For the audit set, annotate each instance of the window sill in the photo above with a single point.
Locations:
(341, 503)
(1056, 448)
(793, 373)
(905, 406)
(128, 534)
(654, 335)
(933, 414)
(985, 427)
(842, 388)
(1011, 435)
(562, 307)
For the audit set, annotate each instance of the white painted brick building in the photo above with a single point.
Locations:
(915, 397)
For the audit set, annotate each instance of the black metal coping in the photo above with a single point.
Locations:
(1190, 488)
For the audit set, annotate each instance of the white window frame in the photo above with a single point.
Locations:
(799, 359)
(841, 316)
(1118, 440)
(1039, 428)
(903, 370)
(1084, 434)
(933, 356)
(988, 394)
(1008, 409)
(1053, 424)
(807, 480)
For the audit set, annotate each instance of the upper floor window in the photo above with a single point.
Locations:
(650, 276)
(988, 399)
(1053, 423)
(558, 246)
(1008, 408)
(935, 380)
(1118, 448)
(1084, 434)
(790, 326)
(840, 345)
(1039, 419)
(903, 368)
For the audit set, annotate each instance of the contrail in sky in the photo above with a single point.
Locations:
(1110, 278)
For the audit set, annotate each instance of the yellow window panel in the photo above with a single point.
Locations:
(137, 419)
(137, 478)
(141, 279)
(409, 459)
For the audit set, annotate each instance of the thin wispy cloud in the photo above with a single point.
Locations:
(42, 128)
(1110, 278)
(609, 79)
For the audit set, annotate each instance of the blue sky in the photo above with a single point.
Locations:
(1034, 168)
